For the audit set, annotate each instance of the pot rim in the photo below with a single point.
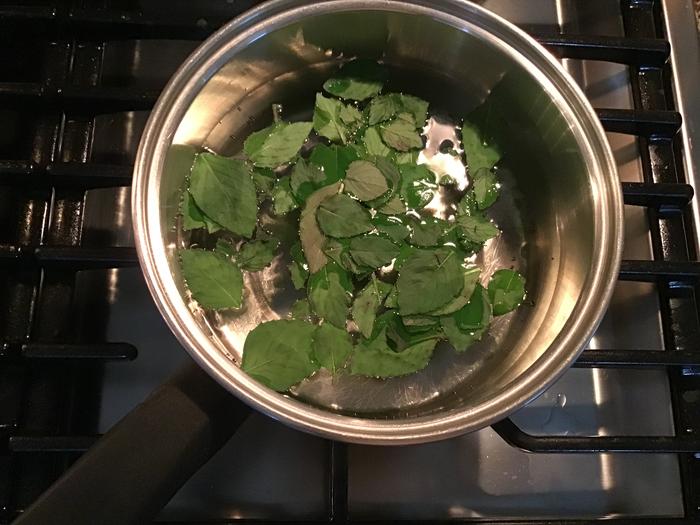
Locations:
(585, 317)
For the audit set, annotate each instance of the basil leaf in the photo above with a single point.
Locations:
(342, 216)
(401, 134)
(301, 309)
(393, 179)
(256, 255)
(410, 157)
(279, 353)
(392, 226)
(418, 108)
(458, 338)
(479, 154)
(417, 185)
(392, 299)
(193, 217)
(400, 336)
(298, 267)
(471, 279)
(225, 248)
(364, 180)
(375, 359)
(223, 189)
(476, 314)
(328, 294)
(428, 280)
(468, 205)
(305, 179)
(506, 291)
(332, 347)
(374, 145)
(427, 231)
(276, 144)
(264, 180)
(312, 238)
(366, 304)
(373, 250)
(214, 280)
(485, 187)
(335, 120)
(385, 107)
(283, 200)
(382, 108)
(357, 80)
(334, 160)
(393, 207)
(477, 228)
(339, 251)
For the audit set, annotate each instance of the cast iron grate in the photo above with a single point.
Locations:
(50, 368)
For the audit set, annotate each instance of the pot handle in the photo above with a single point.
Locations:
(141, 462)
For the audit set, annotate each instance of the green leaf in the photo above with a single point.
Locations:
(477, 228)
(335, 120)
(283, 200)
(428, 280)
(468, 205)
(401, 135)
(417, 185)
(357, 80)
(471, 279)
(332, 347)
(485, 186)
(214, 280)
(373, 250)
(410, 157)
(342, 216)
(393, 180)
(392, 226)
(339, 251)
(385, 107)
(306, 178)
(312, 238)
(299, 275)
(364, 180)
(394, 206)
(427, 231)
(366, 304)
(479, 154)
(392, 299)
(301, 309)
(476, 314)
(334, 160)
(226, 248)
(276, 144)
(256, 255)
(506, 291)
(279, 353)
(382, 108)
(193, 217)
(418, 108)
(375, 359)
(328, 294)
(374, 145)
(264, 180)
(299, 267)
(458, 338)
(223, 189)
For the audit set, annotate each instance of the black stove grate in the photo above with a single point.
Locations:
(50, 364)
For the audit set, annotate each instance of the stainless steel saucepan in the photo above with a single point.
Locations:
(560, 210)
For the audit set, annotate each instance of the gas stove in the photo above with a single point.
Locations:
(83, 344)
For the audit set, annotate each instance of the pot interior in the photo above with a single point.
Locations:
(546, 211)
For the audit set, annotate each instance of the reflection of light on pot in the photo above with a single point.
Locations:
(443, 155)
